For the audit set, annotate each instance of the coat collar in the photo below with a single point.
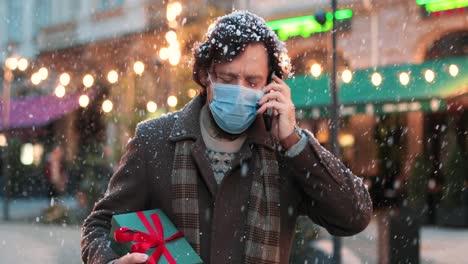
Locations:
(187, 125)
(187, 121)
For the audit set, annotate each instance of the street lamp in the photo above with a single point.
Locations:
(321, 18)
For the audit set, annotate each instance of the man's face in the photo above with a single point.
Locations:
(249, 69)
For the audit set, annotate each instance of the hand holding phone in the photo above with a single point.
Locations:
(277, 108)
(268, 114)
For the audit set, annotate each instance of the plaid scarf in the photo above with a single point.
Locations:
(263, 219)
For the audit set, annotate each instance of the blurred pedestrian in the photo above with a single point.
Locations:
(231, 170)
(55, 172)
(57, 179)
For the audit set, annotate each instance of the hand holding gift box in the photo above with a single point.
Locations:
(151, 232)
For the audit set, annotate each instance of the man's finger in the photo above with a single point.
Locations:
(273, 96)
(275, 105)
(283, 88)
(278, 79)
(132, 258)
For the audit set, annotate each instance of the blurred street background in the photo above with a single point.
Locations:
(77, 76)
(25, 240)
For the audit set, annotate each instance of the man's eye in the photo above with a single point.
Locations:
(252, 84)
(226, 80)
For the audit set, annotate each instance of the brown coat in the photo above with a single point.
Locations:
(314, 183)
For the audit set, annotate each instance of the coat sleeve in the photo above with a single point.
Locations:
(126, 192)
(332, 196)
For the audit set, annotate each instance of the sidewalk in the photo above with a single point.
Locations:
(438, 245)
(24, 240)
(24, 243)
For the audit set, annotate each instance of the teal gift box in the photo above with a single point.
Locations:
(142, 232)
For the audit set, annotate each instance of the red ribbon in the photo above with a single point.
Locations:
(144, 241)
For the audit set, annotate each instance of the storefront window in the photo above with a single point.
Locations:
(15, 17)
(104, 5)
(44, 8)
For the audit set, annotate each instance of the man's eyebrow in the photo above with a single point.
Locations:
(254, 76)
(231, 74)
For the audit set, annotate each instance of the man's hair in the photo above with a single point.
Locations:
(228, 38)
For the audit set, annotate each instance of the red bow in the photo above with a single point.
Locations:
(145, 241)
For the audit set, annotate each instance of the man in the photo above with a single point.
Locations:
(233, 188)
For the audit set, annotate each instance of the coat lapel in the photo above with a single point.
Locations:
(204, 166)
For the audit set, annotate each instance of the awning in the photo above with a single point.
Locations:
(40, 110)
(311, 96)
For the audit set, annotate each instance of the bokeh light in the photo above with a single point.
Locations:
(429, 75)
(151, 107)
(316, 69)
(139, 67)
(83, 100)
(172, 101)
(23, 64)
(112, 76)
(107, 106)
(404, 78)
(60, 91)
(346, 76)
(64, 79)
(88, 80)
(453, 70)
(376, 79)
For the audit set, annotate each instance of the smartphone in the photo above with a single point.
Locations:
(268, 114)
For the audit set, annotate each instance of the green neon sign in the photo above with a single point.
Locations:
(306, 25)
(423, 2)
(344, 14)
(445, 5)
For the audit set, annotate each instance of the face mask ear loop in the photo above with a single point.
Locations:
(210, 81)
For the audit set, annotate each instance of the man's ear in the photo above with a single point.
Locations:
(205, 77)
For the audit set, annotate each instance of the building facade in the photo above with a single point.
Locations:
(97, 37)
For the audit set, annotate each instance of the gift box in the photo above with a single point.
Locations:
(151, 232)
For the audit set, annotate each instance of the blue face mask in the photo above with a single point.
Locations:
(234, 107)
